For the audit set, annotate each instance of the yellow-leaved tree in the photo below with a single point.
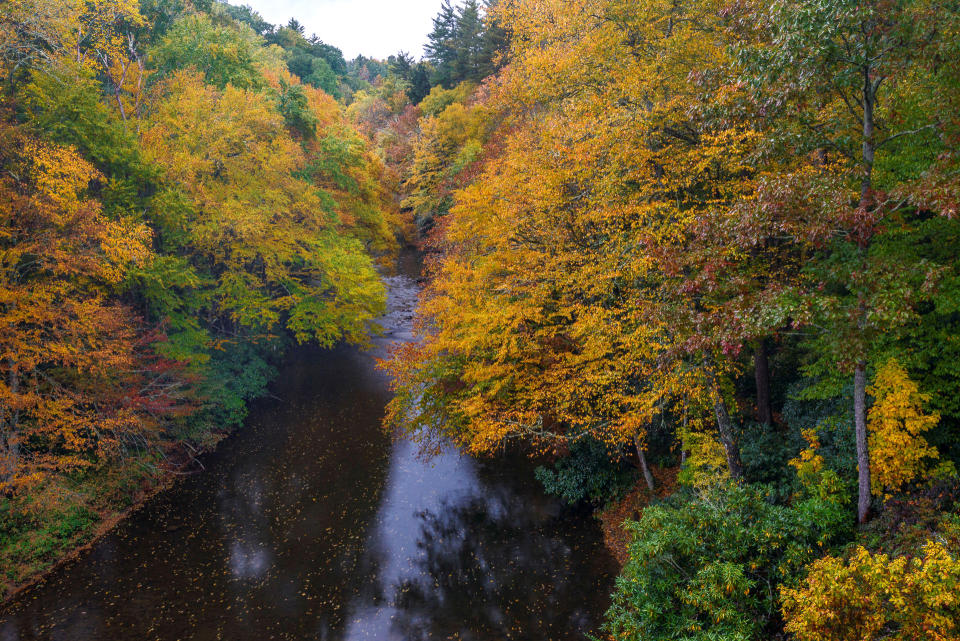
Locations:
(872, 596)
(899, 454)
(561, 304)
(273, 246)
(95, 34)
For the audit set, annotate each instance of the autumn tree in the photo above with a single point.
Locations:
(269, 243)
(69, 350)
(873, 596)
(563, 303)
(845, 77)
(897, 423)
(223, 53)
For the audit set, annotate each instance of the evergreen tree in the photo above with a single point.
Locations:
(401, 65)
(441, 48)
(468, 43)
(465, 43)
(419, 82)
(495, 41)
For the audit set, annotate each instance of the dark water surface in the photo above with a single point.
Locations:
(311, 523)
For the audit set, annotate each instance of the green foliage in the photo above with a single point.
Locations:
(249, 17)
(830, 418)
(323, 77)
(294, 107)
(223, 53)
(66, 106)
(237, 373)
(707, 566)
(930, 348)
(32, 534)
(765, 451)
(159, 16)
(587, 474)
(464, 44)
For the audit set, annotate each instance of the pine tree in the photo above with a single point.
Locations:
(440, 47)
(468, 43)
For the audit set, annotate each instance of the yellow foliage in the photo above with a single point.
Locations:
(809, 463)
(873, 597)
(275, 245)
(815, 478)
(551, 311)
(706, 462)
(450, 140)
(93, 33)
(898, 452)
(439, 98)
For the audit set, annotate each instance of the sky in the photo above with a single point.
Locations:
(374, 28)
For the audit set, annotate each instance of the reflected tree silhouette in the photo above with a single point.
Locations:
(492, 568)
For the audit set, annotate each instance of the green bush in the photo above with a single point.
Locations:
(30, 540)
(587, 474)
(766, 451)
(708, 566)
(832, 417)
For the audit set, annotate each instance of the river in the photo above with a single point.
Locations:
(312, 523)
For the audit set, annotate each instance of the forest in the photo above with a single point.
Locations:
(177, 208)
(696, 259)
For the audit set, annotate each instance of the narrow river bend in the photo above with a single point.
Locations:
(311, 523)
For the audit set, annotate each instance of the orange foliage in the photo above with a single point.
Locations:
(67, 349)
(558, 305)
(616, 538)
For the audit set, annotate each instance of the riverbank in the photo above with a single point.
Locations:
(61, 521)
(65, 516)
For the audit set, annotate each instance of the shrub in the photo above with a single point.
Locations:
(765, 452)
(587, 474)
(877, 597)
(897, 422)
(707, 566)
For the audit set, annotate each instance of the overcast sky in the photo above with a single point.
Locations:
(375, 28)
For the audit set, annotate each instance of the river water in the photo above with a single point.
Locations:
(311, 523)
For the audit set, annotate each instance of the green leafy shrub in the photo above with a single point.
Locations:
(587, 474)
(833, 422)
(29, 537)
(708, 566)
(765, 452)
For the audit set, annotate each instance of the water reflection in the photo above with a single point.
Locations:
(464, 550)
(312, 524)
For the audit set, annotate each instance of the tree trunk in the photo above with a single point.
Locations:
(727, 437)
(683, 440)
(647, 476)
(863, 453)
(761, 371)
(870, 87)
